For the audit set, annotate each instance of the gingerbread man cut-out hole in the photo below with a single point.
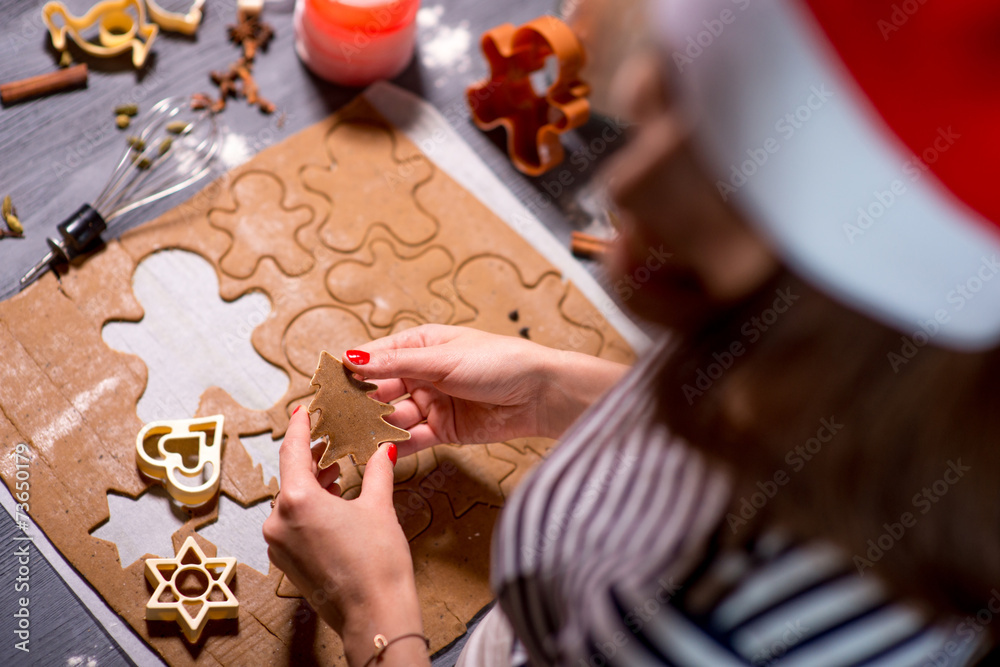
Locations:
(262, 226)
(192, 340)
(394, 286)
(366, 185)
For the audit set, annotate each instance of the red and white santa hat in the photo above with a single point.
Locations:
(862, 137)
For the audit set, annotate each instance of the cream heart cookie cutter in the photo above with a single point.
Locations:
(186, 24)
(170, 467)
(117, 30)
(166, 574)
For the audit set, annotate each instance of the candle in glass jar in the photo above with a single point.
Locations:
(356, 42)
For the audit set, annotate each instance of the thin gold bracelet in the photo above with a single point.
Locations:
(381, 644)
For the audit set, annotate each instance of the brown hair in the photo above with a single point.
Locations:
(838, 427)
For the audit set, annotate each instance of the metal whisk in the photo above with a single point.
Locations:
(174, 149)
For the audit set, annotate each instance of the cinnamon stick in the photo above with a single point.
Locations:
(44, 84)
(588, 246)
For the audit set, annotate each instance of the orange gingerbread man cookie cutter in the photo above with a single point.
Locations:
(507, 98)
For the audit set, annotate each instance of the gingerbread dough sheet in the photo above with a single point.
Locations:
(352, 233)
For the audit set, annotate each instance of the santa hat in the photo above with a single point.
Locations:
(861, 137)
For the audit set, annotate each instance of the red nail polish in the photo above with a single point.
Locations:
(295, 411)
(358, 357)
(392, 452)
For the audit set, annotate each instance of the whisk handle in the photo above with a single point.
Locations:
(78, 234)
(80, 231)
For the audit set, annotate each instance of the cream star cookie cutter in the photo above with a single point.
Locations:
(178, 609)
(186, 24)
(118, 31)
(170, 466)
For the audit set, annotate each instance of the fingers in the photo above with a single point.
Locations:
(425, 335)
(328, 476)
(376, 486)
(385, 352)
(430, 364)
(389, 390)
(407, 414)
(295, 459)
(422, 436)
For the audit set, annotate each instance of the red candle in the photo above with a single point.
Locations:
(356, 42)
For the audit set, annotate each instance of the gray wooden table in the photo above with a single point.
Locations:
(56, 153)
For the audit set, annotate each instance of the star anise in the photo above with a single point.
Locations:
(241, 32)
(251, 34)
(264, 35)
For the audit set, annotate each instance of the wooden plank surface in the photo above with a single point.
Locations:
(57, 152)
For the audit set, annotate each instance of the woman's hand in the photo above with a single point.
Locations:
(468, 386)
(349, 558)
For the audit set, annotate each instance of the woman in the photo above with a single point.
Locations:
(805, 469)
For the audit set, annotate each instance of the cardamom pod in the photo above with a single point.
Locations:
(9, 214)
(14, 224)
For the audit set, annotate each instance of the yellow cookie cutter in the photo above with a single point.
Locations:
(250, 7)
(118, 31)
(164, 574)
(186, 24)
(170, 467)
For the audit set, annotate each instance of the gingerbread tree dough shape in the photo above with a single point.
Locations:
(352, 420)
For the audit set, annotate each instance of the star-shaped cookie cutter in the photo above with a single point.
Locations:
(507, 98)
(171, 467)
(164, 574)
(118, 31)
